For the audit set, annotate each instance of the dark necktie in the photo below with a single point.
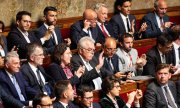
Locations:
(169, 98)
(109, 65)
(40, 80)
(128, 27)
(103, 30)
(179, 53)
(53, 37)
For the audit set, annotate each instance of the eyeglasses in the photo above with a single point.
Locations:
(89, 49)
(88, 98)
(117, 86)
(111, 49)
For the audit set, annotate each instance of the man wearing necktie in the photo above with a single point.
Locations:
(162, 92)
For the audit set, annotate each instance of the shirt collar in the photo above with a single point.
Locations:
(46, 25)
(123, 16)
(64, 104)
(32, 67)
(176, 46)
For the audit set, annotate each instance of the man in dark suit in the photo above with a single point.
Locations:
(64, 95)
(50, 16)
(20, 36)
(85, 57)
(158, 54)
(123, 22)
(85, 27)
(33, 71)
(161, 93)
(178, 91)
(85, 97)
(157, 21)
(13, 82)
(104, 27)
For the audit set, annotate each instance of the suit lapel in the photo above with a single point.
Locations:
(33, 76)
(122, 23)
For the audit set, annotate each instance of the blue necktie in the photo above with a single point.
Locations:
(16, 85)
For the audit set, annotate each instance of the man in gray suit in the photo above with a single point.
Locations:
(128, 56)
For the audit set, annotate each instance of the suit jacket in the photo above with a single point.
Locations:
(153, 60)
(88, 76)
(8, 101)
(49, 44)
(101, 37)
(16, 38)
(57, 104)
(57, 73)
(30, 77)
(5, 44)
(154, 97)
(152, 26)
(76, 32)
(94, 104)
(178, 92)
(123, 64)
(9, 87)
(119, 27)
(106, 102)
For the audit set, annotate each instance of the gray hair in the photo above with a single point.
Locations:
(10, 55)
(98, 6)
(82, 42)
(31, 48)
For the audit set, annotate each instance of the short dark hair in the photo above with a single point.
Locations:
(162, 66)
(175, 32)
(31, 48)
(164, 39)
(1, 22)
(21, 13)
(126, 35)
(108, 83)
(119, 3)
(38, 99)
(49, 8)
(60, 88)
(83, 89)
(58, 51)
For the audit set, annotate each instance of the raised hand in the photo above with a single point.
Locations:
(48, 33)
(80, 71)
(141, 61)
(87, 24)
(101, 61)
(68, 41)
(132, 27)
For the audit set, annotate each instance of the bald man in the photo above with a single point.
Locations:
(157, 21)
(85, 27)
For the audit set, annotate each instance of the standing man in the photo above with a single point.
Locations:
(13, 82)
(64, 95)
(33, 71)
(85, 27)
(104, 27)
(161, 93)
(157, 21)
(20, 36)
(48, 28)
(128, 56)
(123, 22)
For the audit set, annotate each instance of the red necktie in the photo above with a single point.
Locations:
(103, 31)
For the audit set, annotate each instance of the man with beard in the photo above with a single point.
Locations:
(128, 56)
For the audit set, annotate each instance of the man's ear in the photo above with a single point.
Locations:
(38, 106)
(17, 22)
(119, 7)
(121, 44)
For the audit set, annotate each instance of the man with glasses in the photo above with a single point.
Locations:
(85, 27)
(129, 62)
(159, 54)
(85, 57)
(42, 101)
(157, 21)
(33, 71)
(20, 36)
(85, 97)
(111, 88)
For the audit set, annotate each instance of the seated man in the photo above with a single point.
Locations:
(85, 27)
(48, 28)
(178, 91)
(111, 87)
(34, 73)
(85, 57)
(104, 27)
(123, 22)
(128, 56)
(13, 82)
(161, 93)
(64, 95)
(42, 101)
(85, 97)
(157, 21)
(158, 54)
(20, 36)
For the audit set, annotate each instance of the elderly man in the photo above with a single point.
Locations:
(85, 57)
(157, 21)
(64, 95)
(85, 27)
(104, 27)
(33, 71)
(13, 82)
(161, 93)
